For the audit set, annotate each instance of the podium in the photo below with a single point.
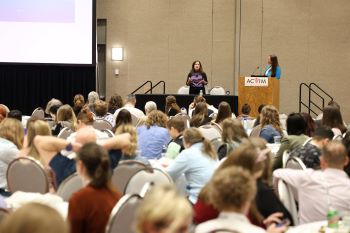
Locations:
(256, 91)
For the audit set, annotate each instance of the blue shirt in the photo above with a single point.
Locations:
(268, 71)
(197, 167)
(151, 141)
(268, 132)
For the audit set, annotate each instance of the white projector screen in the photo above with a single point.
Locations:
(47, 31)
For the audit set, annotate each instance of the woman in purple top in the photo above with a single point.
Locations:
(196, 79)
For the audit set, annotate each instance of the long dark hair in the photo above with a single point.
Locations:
(96, 162)
(200, 67)
(274, 64)
(199, 114)
(224, 112)
(332, 117)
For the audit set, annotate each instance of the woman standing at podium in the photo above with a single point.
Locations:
(196, 79)
(273, 69)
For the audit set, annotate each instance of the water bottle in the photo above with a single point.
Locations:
(201, 92)
(332, 218)
(245, 124)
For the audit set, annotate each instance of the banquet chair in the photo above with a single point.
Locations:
(139, 179)
(65, 133)
(217, 90)
(295, 163)
(209, 132)
(184, 90)
(285, 158)
(337, 137)
(27, 175)
(124, 171)
(285, 194)
(134, 119)
(102, 124)
(38, 113)
(3, 214)
(216, 126)
(108, 132)
(122, 216)
(69, 186)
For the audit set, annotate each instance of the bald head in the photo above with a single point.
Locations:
(85, 135)
(334, 155)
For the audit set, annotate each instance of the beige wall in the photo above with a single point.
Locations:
(162, 37)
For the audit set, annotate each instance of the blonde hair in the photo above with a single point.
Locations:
(270, 116)
(193, 135)
(36, 127)
(12, 130)
(163, 207)
(232, 130)
(101, 108)
(66, 113)
(34, 218)
(232, 187)
(156, 117)
(128, 128)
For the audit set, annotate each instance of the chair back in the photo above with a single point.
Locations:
(285, 158)
(102, 124)
(286, 196)
(216, 126)
(134, 119)
(295, 163)
(155, 177)
(122, 216)
(184, 90)
(217, 90)
(216, 143)
(3, 214)
(209, 132)
(38, 113)
(27, 175)
(65, 133)
(69, 186)
(108, 132)
(124, 171)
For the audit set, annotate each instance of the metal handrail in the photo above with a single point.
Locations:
(150, 82)
(150, 90)
(300, 101)
(319, 88)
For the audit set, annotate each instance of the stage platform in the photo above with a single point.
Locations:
(185, 100)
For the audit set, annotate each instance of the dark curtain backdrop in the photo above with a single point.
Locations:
(26, 87)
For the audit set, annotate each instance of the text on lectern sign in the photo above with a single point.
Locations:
(256, 82)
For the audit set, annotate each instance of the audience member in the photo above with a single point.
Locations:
(15, 114)
(199, 99)
(90, 207)
(176, 126)
(92, 97)
(200, 115)
(245, 110)
(232, 135)
(224, 112)
(123, 118)
(115, 102)
(149, 107)
(310, 124)
(321, 190)
(153, 136)
(130, 103)
(310, 152)
(34, 218)
(233, 203)
(102, 113)
(171, 107)
(332, 118)
(163, 209)
(78, 103)
(11, 141)
(65, 118)
(296, 128)
(257, 121)
(51, 103)
(198, 162)
(270, 124)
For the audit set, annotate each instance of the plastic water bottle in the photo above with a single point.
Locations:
(201, 92)
(245, 124)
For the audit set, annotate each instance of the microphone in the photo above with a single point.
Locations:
(258, 67)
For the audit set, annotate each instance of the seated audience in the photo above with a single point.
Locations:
(65, 118)
(320, 190)
(34, 218)
(171, 107)
(52, 102)
(11, 141)
(234, 203)
(102, 113)
(149, 107)
(176, 126)
(130, 103)
(200, 99)
(245, 109)
(257, 121)
(92, 97)
(153, 136)
(296, 128)
(50, 149)
(90, 207)
(16, 114)
(78, 103)
(310, 124)
(310, 152)
(123, 118)
(232, 135)
(114, 103)
(224, 112)
(200, 115)
(197, 162)
(163, 209)
(332, 118)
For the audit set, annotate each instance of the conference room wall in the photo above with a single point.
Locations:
(311, 39)
(161, 39)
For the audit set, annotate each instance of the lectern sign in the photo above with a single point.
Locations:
(256, 82)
